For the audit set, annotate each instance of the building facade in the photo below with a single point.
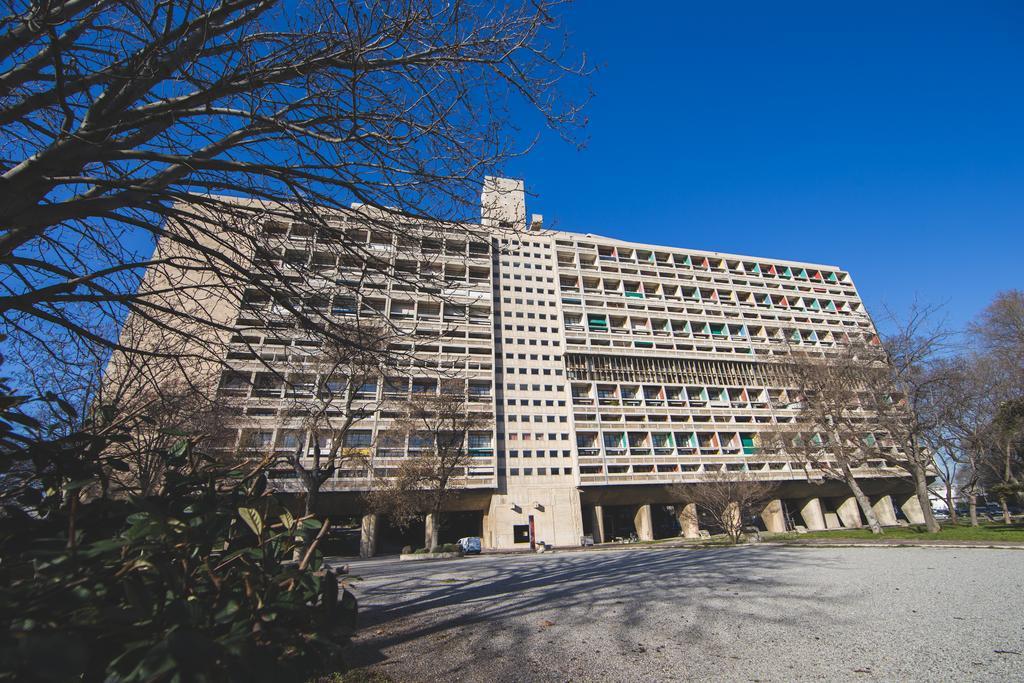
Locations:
(614, 373)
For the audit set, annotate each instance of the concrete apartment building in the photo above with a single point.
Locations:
(614, 373)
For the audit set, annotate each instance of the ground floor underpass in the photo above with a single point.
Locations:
(564, 518)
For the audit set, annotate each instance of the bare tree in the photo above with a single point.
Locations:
(974, 389)
(328, 401)
(999, 330)
(729, 498)
(439, 430)
(832, 432)
(905, 396)
(129, 123)
(1006, 434)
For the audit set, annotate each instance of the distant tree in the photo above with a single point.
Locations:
(999, 330)
(438, 430)
(1006, 433)
(729, 498)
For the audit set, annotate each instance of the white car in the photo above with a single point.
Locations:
(470, 545)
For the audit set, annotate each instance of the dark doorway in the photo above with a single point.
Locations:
(391, 538)
(618, 522)
(664, 522)
(456, 525)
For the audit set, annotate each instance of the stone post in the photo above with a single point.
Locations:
(811, 513)
(598, 524)
(771, 515)
(849, 513)
(911, 508)
(430, 531)
(688, 520)
(884, 510)
(643, 524)
(368, 536)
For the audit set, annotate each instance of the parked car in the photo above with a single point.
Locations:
(470, 545)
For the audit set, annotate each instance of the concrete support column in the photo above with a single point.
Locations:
(884, 510)
(487, 530)
(368, 536)
(911, 508)
(849, 513)
(598, 524)
(774, 520)
(430, 531)
(642, 522)
(810, 512)
(688, 520)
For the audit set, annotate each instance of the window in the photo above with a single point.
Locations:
(367, 390)
(260, 439)
(360, 438)
(420, 441)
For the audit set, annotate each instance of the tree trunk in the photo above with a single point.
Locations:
(862, 500)
(1007, 479)
(312, 495)
(921, 487)
(954, 518)
(972, 505)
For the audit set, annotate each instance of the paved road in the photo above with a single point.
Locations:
(758, 613)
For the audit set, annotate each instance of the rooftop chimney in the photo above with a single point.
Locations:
(503, 203)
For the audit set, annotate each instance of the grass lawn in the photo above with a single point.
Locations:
(992, 533)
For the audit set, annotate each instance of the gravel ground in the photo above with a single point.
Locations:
(756, 613)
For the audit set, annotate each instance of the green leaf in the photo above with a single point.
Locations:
(253, 519)
(178, 449)
(287, 519)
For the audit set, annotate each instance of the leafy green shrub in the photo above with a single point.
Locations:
(421, 551)
(197, 583)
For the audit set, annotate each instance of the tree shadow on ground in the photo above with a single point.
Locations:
(614, 598)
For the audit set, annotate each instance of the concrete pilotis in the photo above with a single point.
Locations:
(598, 525)
(430, 529)
(849, 513)
(810, 512)
(774, 520)
(911, 508)
(884, 510)
(688, 520)
(642, 522)
(368, 536)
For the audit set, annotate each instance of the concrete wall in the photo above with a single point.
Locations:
(557, 515)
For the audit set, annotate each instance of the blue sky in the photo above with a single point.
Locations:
(886, 138)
